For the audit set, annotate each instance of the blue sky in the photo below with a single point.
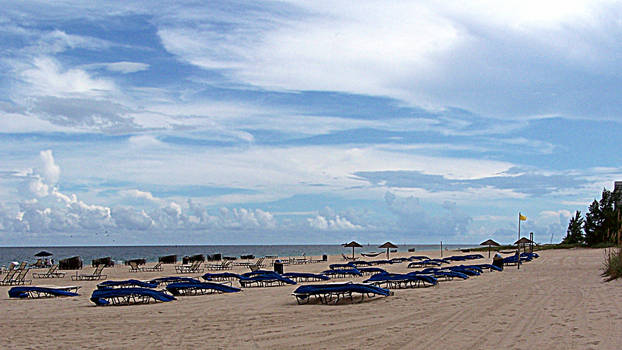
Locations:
(304, 122)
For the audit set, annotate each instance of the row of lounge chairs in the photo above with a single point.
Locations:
(95, 276)
(134, 267)
(16, 276)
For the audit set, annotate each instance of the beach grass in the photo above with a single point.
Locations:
(613, 264)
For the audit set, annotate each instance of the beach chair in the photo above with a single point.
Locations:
(395, 280)
(199, 288)
(128, 296)
(8, 278)
(51, 273)
(20, 278)
(155, 268)
(96, 275)
(134, 266)
(127, 284)
(225, 265)
(34, 292)
(335, 292)
(257, 265)
(195, 267)
(305, 277)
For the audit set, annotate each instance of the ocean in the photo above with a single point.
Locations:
(151, 253)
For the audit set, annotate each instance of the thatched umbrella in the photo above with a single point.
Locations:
(352, 244)
(490, 243)
(523, 241)
(388, 245)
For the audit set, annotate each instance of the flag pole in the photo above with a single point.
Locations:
(518, 244)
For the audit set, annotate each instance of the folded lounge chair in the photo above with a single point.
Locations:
(263, 279)
(128, 296)
(51, 273)
(43, 292)
(126, 284)
(335, 292)
(305, 277)
(371, 270)
(168, 280)
(96, 275)
(221, 276)
(199, 288)
(395, 280)
(342, 273)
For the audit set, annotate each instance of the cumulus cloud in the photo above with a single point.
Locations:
(49, 170)
(336, 223)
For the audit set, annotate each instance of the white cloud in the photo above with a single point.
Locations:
(126, 67)
(46, 77)
(336, 223)
(50, 171)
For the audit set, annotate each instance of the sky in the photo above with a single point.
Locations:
(301, 122)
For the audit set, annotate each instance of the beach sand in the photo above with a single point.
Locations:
(558, 301)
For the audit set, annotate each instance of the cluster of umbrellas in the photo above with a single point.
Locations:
(387, 245)
(490, 243)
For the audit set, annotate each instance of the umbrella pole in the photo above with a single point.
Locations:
(352, 253)
(489, 251)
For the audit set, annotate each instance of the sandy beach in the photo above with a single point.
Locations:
(558, 301)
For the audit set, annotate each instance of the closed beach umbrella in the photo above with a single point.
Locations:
(353, 244)
(42, 254)
(388, 245)
(490, 243)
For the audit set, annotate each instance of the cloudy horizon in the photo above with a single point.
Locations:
(284, 122)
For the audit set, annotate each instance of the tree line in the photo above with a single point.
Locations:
(602, 223)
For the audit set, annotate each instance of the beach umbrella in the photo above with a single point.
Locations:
(388, 245)
(523, 241)
(352, 244)
(490, 243)
(42, 254)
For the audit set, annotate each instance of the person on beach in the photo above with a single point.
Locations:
(497, 260)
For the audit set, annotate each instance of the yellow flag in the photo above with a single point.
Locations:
(522, 217)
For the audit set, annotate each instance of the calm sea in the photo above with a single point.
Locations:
(151, 253)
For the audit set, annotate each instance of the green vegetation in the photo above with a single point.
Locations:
(613, 264)
(602, 225)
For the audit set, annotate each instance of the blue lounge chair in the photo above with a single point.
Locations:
(418, 257)
(423, 263)
(359, 263)
(43, 292)
(396, 280)
(200, 288)
(371, 270)
(127, 284)
(221, 276)
(341, 266)
(342, 273)
(167, 280)
(128, 296)
(305, 277)
(334, 292)
(264, 279)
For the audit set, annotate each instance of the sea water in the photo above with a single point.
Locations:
(151, 253)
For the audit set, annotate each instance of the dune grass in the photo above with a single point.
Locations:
(612, 268)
